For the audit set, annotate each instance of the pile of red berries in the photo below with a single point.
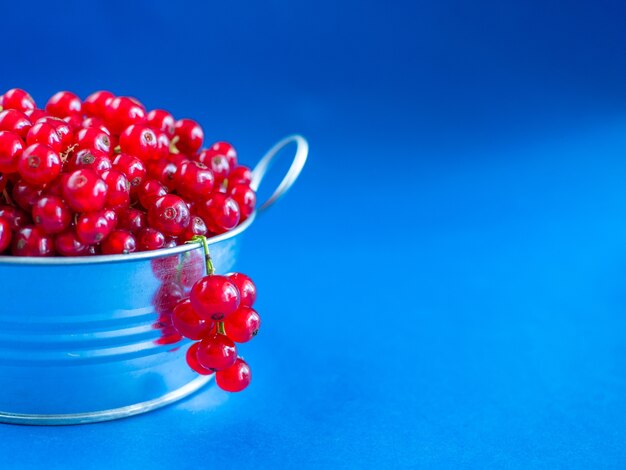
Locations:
(104, 176)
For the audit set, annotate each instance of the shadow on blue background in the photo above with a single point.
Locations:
(444, 285)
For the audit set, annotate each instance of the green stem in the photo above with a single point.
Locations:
(210, 269)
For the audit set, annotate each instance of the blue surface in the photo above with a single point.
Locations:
(445, 287)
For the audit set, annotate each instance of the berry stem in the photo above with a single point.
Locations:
(210, 269)
(220, 328)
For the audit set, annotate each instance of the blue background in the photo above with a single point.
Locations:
(444, 287)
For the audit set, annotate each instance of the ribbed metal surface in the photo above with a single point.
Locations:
(82, 338)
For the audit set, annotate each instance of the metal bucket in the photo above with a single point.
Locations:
(90, 339)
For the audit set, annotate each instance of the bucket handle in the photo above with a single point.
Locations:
(260, 170)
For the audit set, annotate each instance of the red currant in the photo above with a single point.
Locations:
(194, 180)
(11, 147)
(96, 103)
(196, 227)
(161, 120)
(245, 198)
(132, 220)
(15, 121)
(240, 175)
(190, 136)
(149, 191)
(92, 159)
(242, 325)
(122, 112)
(192, 360)
(150, 239)
(68, 244)
(93, 138)
(46, 134)
(118, 194)
(220, 212)
(16, 218)
(64, 130)
(246, 288)
(25, 194)
(214, 297)
(218, 164)
(140, 141)
(51, 214)
(132, 167)
(63, 104)
(235, 378)
(217, 352)
(119, 242)
(32, 241)
(84, 191)
(93, 227)
(169, 214)
(188, 322)
(163, 171)
(5, 235)
(39, 164)
(17, 99)
(223, 149)
(96, 123)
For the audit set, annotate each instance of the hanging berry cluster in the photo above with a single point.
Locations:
(104, 176)
(217, 314)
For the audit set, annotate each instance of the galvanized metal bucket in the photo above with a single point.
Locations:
(90, 339)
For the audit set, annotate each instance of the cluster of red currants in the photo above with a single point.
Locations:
(104, 176)
(219, 313)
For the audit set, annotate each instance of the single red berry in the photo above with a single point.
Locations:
(240, 175)
(242, 325)
(93, 227)
(246, 199)
(84, 191)
(131, 220)
(161, 120)
(35, 114)
(236, 378)
(96, 123)
(39, 164)
(149, 191)
(190, 136)
(169, 214)
(214, 297)
(194, 180)
(68, 244)
(46, 134)
(163, 171)
(196, 227)
(192, 360)
(118, 194)
(15, 121)
(220, 213)
(163, 145)
(139, 141)
(17, 99)
(25, 194)
(17, 218)
(149, 239)
(218, 164)
(91, 159)
(188, 322)
(96, 103)
(119, 242)
(166, 298)
(93, 138)
(75, 121)
(63, 104)
(51, 214)
(134, 169)
(11, 148)
(123, 111)
(64, 130)
(5, 235)
(246, 288)
(32, 241)
(223, 149)
(217, 352)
